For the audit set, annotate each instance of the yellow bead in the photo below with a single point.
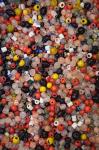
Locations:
(36, 7)
(8, 57)
(49, 85)
(21, 63)
(53, 3)
(16, 140)
(30, 20)
(53, 50)
(39, 17)
(16, 58)
(80, 63)
(25, 12)
(55, 76)
(10, 28)
(50, 140)
(83, 137)
(68, 20)
(42, 89)
(83, 21)
(37, 77)
(18, 11)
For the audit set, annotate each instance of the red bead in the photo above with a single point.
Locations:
(14, 108)
(87, 109)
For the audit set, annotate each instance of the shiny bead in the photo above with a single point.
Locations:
(83, 136)
(81, 64)
(53, 50)
(18, 11)
(55, 76)
(21, 63)
(37, 77)
(49, 85)
(42, 89)
(36, 7)
(25, 12)
(39, 17)
(83, 21)
(10, 28)
(30, 20)
(53, 3)
(15, 140)
(68, 20)
(16, 58)
(50, 140)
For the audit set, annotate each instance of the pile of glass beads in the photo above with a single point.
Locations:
(49, 75)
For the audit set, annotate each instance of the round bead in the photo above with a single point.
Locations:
(83, 136)
(16, 58)
(37, 77)
(21, 63)
(50, 140)
(36, 7)
(42, 89)
(49, 85)
(55, 76)
(53, 50)
(81, 64)
(16, 140)
(18, 11)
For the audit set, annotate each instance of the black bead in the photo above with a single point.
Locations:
(81, 30)
(43, 133)
(45, 74)
(87, 5)
(75, 95)
(57, 136)
(45, 64)
(42, 24)
(68, 140)
(10, 12)
(59, 71)
(78, 148)
(96, 98)
(31, 92)
(25, 24)
(91, 62)
(43, 82)
(76, 135)
(67, 145)
(39, 147)
(94, 50)
(74, 25)
(25, 89)
(23, 135)
(45, 38)
(61, 113)
(5, 148)
(2, 92)
(60, 100)
(43, 11)
(2, 130)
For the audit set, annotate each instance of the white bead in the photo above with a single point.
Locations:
(71, 49)
(29, 106)
(41, 100)
(74, 118)
(37, 102)
(61, 36)
(2, 4)
(82, 5)
(4, 49)
(74, 125)
(31, 34)
(14, 38)
(56, 123)
(22, 6)
(80, 123)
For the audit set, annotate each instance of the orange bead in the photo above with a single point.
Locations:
(38, 95)
(54, 88)
(60, 127)
(51, 148)
(63, 80)
(17, 76)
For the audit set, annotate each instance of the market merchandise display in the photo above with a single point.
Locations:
(49, 75)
